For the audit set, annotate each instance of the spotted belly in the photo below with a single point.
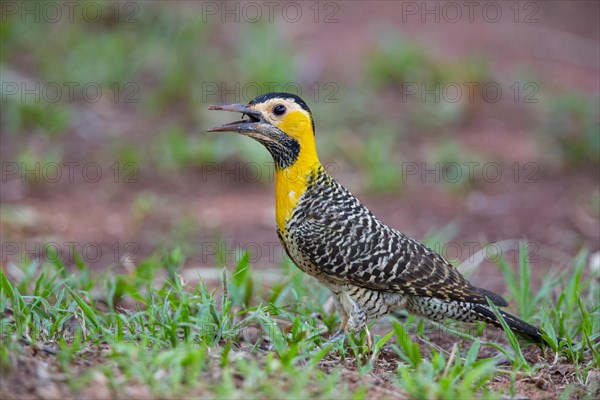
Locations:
(301, 261)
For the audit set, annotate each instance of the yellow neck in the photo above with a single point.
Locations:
(291, 182)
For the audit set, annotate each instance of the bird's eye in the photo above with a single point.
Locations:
(279, 109)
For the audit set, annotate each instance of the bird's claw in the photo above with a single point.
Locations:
(336, 337)
(340, 335)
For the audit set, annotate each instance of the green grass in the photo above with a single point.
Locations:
(569, 129)
(241, 339)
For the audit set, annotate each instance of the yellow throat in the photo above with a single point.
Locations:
(291, 182)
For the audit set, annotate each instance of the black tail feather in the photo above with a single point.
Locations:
(494, 297)
(516, 324)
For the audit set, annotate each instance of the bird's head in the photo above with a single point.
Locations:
(282, 122)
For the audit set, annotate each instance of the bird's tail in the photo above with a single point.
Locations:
(517, 325)
(438, 310)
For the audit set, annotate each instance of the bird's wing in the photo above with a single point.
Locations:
(345, 241)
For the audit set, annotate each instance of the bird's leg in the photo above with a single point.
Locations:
(357, 321)
(345, 320)
(354, 318)
(343, 313)
(342, 331)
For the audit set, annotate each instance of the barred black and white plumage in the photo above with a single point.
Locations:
(336, 239)
(370, 268)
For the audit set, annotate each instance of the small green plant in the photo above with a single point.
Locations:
(241, 339)
(570, 127)
(452, 378)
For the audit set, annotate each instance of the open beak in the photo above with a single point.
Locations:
(243, 126)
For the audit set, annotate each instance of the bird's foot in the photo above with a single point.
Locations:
(340, 335)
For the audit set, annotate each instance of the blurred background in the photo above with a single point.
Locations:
(461, 125)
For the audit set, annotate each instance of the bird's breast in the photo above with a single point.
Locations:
(290, 184)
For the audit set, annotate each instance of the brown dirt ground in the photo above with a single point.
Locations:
(37, 372)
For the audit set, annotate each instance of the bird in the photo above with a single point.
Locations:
(370, 268)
